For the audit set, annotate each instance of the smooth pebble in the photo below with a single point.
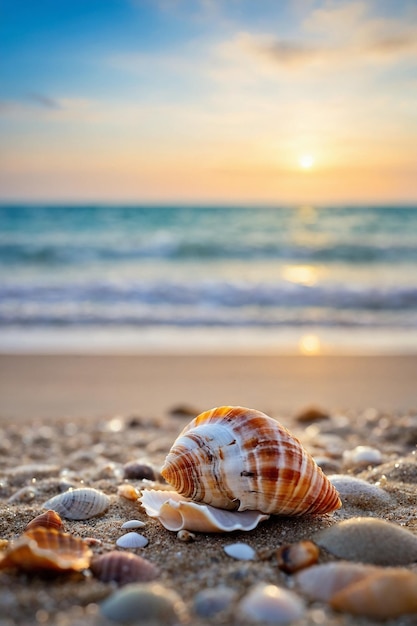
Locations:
(211, 601)
(145, 604)
(271, 605)
(321, 582)
(358, 493)
(362, 456)
(369, 540)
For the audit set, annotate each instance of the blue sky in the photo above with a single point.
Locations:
(212, 101)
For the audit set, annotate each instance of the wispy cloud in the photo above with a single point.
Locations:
(346, 34)
(45, 101)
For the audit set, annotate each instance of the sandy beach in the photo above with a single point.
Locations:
(40, 386)
(76, 421)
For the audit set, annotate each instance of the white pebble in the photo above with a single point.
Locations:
(240, 551)
(271, 605)
(362, 455)
(132, 540)
(133, 523)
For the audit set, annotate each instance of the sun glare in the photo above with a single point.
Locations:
(306, 161)
(309, 345)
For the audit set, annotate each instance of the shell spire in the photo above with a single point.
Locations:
(240, 459)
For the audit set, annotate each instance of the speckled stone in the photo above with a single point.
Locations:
(145, 604)
(369, 540)
(211, 601)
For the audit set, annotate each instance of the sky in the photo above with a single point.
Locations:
(208, 101)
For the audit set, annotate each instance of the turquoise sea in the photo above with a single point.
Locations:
(183, 278)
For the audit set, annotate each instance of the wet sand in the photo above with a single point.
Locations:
(92, 386)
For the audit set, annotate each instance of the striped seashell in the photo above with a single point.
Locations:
(123, 568)
(47, 549)
(79, 504)
(49, 519)
(240, 459)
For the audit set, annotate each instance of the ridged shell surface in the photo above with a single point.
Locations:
(42, 549)
(123, 568)
(240, 459)
(79, 504)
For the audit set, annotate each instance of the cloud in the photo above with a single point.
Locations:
(344, 34)
(44, 101)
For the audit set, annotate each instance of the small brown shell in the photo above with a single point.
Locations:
(295, 556)
(123, 568)
(49, 519)
(240, 459)
(47, 549)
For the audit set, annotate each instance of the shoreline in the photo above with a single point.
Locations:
(59, 386)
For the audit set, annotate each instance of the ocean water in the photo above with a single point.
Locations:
(182, 278)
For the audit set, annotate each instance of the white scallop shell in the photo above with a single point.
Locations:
(132, 541)
(176, 513)
(133, 523)
(240, 459)
(79, 504)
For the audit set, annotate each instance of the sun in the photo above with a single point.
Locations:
(306, 161)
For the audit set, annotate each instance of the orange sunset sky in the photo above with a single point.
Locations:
(208, 101)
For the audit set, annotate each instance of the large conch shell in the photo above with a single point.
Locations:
(240, 459)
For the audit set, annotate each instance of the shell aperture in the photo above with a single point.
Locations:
(240, 459)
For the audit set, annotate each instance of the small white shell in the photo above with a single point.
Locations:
(132, 541)
(240, 551)
(175, 513)
(79, 504)
(133, 523)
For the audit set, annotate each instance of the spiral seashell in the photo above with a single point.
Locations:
(240, 459)
(123, 568)
(79, 504)
(47, 549)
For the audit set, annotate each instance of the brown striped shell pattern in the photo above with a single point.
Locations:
(240, 459)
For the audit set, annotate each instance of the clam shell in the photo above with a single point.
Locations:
(132, 541)
(49, 519)
(240, 459)
(79, 504)
(43, 549)
(123, 568)
(176, 513)
(369, 540)
(387, 594)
